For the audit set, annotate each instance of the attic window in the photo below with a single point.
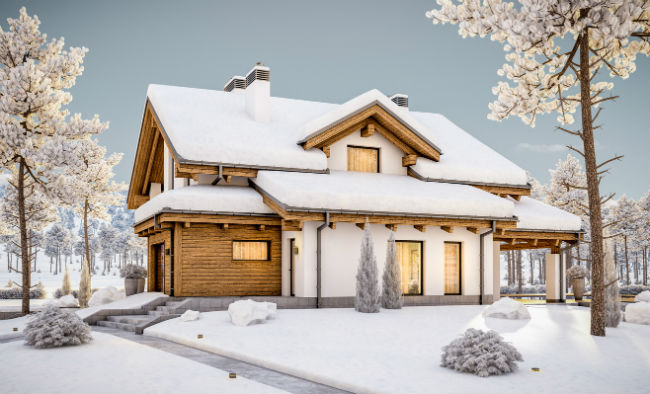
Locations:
(363, 159)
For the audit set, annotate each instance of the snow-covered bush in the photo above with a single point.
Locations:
(53, 327)
(133, 271)
(507, 308)
(190, 315)
(66, 287)
(643, 296)
(16, 293)
(576, 271)
(612, 305)
(106, 295)
(633, 289)
(638, 313)
(246, 312)
(526, 289)
(391, 289)
(67, 301)
(481, 353)
(367, 291)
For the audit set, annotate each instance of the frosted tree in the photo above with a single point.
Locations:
(644, 233)
(89, 176)
(612, 296)
(626, 214)
(66, 288)
(35, 127)
(537, 189)
(554, 52)
(391, 289)
(367, 292)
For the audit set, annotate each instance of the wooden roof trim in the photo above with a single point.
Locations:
(166, 219)
(152, 153)
(381, 117)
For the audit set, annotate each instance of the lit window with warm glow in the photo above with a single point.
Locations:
(250, 250)
(409, 255)
(452, 268)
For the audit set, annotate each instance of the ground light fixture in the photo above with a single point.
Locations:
(232, 375)
(535, 369)
(199, 336)
(15, 328)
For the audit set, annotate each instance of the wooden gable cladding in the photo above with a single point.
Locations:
(380, 121)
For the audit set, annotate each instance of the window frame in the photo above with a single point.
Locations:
(421, 265)
(460, 266)
(378, 149)
(268, 249)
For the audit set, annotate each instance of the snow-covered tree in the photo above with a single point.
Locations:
(367, 291)
(537, 189)
(35, 127)
(89, 176)
(644, 233)
(627, 215)
(391, 289)
(53, 327)
(554, 51)
(66, 288)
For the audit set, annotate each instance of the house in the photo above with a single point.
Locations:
(240, 193)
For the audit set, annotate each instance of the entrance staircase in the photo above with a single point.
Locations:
(137, 323)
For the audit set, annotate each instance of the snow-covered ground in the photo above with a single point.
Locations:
(134, 301)
(399, 350)
(112, 365)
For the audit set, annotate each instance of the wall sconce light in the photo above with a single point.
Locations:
(296, 250)
(167, 251)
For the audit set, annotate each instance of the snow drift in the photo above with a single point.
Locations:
(245, 312)
(638, 313)
(643, 296)
(190, 315)
(507, 308)
(106, 295)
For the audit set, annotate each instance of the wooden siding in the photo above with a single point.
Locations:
(206, 267)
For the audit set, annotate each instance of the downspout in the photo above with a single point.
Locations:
(482, 261)
(171, 253)
(318, 258)
(219, 176)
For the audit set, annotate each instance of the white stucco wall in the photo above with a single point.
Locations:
(340, 258)
(168, 172)
(496, 270)
(390, 157)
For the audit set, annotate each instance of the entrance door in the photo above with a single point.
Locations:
(292, 286)
(159, 256)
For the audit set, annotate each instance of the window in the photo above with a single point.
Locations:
(363, 159)
(452, 268)
(250, 250)
(409, 255)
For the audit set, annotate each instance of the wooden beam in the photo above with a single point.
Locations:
(420, 227)
(361, 225)
(289, 225)
(517, 197)
(227, 178)
(391, 227)
(145, 184)
(535, 242)
(409, 160)
(186, 224)
(261, 227)
(368, 131)
(448, 229)
(473, 230)
(332, 225)
(501, 231)
(326, 150)
(512, 241)
(505, 190)
(224, 226)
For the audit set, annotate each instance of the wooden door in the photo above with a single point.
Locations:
(452, 268)
(159, 253)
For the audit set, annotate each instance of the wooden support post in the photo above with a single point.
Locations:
(448, 229)
(332, 225)
(512, 241)
(368, 131)
(409, 160)
(326, 150)
(391, 227)
(361, 225)
(472, 230)
(420, 227)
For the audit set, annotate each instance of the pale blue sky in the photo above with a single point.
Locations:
(325, 51)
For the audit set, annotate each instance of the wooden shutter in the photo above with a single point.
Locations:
(250, 250)
(363, 159)
(452, 268)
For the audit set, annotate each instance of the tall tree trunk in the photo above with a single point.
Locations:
(645, 266)
(85, 285)
(509, 258)
(627, 262)
(593, 192)
(532, 268)
(22, 220)
(520, 278)
(636, 266)
(540, 274)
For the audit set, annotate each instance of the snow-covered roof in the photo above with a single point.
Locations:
(360, 103)
(535, 215)
(205, 198)
(380, 193)
(465, 158)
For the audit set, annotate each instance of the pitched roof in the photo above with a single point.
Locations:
(538, 216)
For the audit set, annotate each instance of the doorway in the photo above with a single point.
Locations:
(159, 266)
(292, 268)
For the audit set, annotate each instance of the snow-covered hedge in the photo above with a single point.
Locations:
(106, 295)
(16, 292)
(633, 289)
(67, 301)
(643, 296)
(526, 289)
(54, 327)
(481, 353)
(638, 313)
(577, 271)
(507, 308)
(133, 271)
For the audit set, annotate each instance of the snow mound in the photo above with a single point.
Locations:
(106, 295)
(190, 315)
(643, 296)
(638, 313)
(67, 301)
(54, 327)
(480, 353)
(507, 308)
(245, 312)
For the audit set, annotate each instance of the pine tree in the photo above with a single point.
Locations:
(367, 292)
(35, 127)
(391, 290)
(555, 50)
(66, 288)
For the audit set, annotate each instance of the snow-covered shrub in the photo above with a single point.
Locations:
(106, 295)
(367, 291)
(481, 353)
(67, 301)
(526, 289)
(612, 305)
(58, 293)
(507, 308)
(53, 327)
(133, 271)
(66, 287)
(16, 292)
(391, 289)
(190, 315)
(576, 271)
(643, 296)
(633, 289)
(246, 312)
(638, 313)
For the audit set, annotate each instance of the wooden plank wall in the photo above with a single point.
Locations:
(204, 265)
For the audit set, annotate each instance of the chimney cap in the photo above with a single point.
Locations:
(236, 82)
(400, 99)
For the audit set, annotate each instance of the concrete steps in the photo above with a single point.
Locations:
(135, 323)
